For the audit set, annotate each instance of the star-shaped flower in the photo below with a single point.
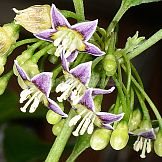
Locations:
(86, 111)
(76, 81)
(143, 141)
(70, 39)
(37, 89)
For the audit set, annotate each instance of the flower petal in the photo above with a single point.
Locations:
(82, 72)
(65, 64)
(149, 134)
(72, 57)
(108, 118)
(93, 50)
(97, 91)
(21, 72)
(57, 18)
(108, 126)
(43, 82)
(87, 100)
(55, 107)
(86, 28)
(45, 35)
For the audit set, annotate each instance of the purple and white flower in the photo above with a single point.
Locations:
(143, 142)
(88, 115)
(37, 90)
(76, 81)
(70, 39)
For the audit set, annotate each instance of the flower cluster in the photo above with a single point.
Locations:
(87, 67)
(68, 40)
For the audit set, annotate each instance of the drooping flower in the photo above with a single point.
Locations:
(37, 90)
(88, 115)
(143, 142)
(35, 18)
(70, 39)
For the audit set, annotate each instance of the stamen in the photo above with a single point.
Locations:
(76, 118)
(35, 103)
(144, 149)
(23, 109)
(59, 50)
(76, 132)
(91, 126)
(86, 124)
(141, 143)
(24, 95)
(67, 92)
(148, 149)
(136, 144)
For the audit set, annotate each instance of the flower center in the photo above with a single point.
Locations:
(67, 41)
(34, 95)
(143, 144)
(86, 124)
(72, 88)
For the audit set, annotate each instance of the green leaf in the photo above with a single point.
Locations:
(23, 145)
(131, 3)
(83, 142)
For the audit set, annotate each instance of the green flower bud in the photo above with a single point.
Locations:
(158, 144)
(52, 117)
(145, 124)
(33, 70)
(109, 65)
(119, 137)
(135, 120)
(100, 138)
(3, 60)
(8, 36)
(4, 82)
(56, 129)
(35, 18)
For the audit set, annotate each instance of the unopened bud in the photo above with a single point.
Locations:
(158, 144)
(4, 82)
(119, 137)
(100, 138)
(3, 60)
(135, 120)
(35, 18)
(109, 65)
(8, 36)
(52, 117)
(56, 129)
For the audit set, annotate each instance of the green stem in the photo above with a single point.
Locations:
(122, 98)
(56, 71)
(70, 14)
(42, 52)
(83, 142)
(79, 9)
(61, 140)
(116, 19)
(143, 106)
(20, 43)
(153, 107)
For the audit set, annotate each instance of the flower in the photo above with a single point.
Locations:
(143, 141)
(37, 89)
(70, 39)
(86, 109)
(35, 18)
(76, 83)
